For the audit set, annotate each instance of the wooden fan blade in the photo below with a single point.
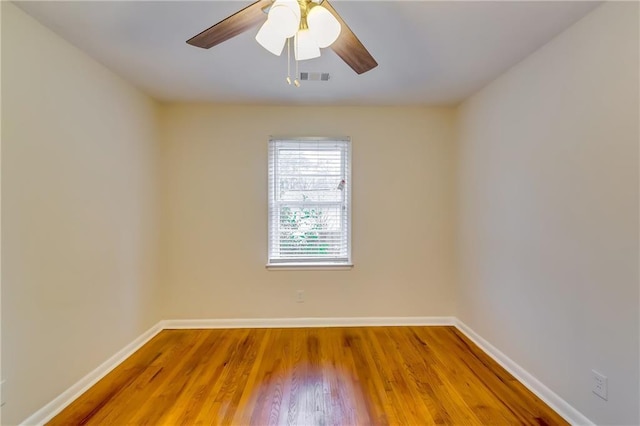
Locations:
(230, 27)
(349, 48)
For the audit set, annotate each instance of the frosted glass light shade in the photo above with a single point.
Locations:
(284, 17)
(270, 39)
(324, 27)
(305, 46)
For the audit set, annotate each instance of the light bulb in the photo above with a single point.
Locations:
(324, 27)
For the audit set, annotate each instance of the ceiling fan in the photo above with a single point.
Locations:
(311, 24)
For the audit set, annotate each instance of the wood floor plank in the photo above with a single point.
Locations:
(404, 386)
(309, 376)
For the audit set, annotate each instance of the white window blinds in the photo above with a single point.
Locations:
(309, 201)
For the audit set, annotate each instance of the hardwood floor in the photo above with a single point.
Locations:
(312, 376)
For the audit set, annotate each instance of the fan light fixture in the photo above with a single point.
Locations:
(285, 17)
(312, 26)
(324, 27)
(270, 39)
(305, 46)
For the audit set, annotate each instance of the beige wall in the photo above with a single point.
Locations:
(1, 375)
(78, 218)
(548, 213)
(215, 201)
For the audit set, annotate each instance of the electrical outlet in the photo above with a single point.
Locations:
(300, 296)
(599, 384)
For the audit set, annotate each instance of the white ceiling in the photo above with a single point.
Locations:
(429, 53)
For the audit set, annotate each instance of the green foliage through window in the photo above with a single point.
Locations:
(301, 229)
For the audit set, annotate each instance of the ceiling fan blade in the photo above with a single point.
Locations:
(349, 48)
(230, 27)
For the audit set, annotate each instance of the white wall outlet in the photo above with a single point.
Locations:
(599, 384)
(300, 296)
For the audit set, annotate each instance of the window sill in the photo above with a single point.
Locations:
(309, 266)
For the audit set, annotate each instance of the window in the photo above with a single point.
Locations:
(309, 202)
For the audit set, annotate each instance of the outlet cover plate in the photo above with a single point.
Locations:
(599, 384)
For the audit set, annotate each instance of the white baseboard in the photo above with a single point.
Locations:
(54, 407)
(559, 405)
(306, 322)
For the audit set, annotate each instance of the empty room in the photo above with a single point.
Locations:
(320, 212)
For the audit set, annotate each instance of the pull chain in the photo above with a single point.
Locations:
(296, 82)
(289, 61)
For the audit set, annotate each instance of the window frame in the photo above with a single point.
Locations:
(307, 264)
